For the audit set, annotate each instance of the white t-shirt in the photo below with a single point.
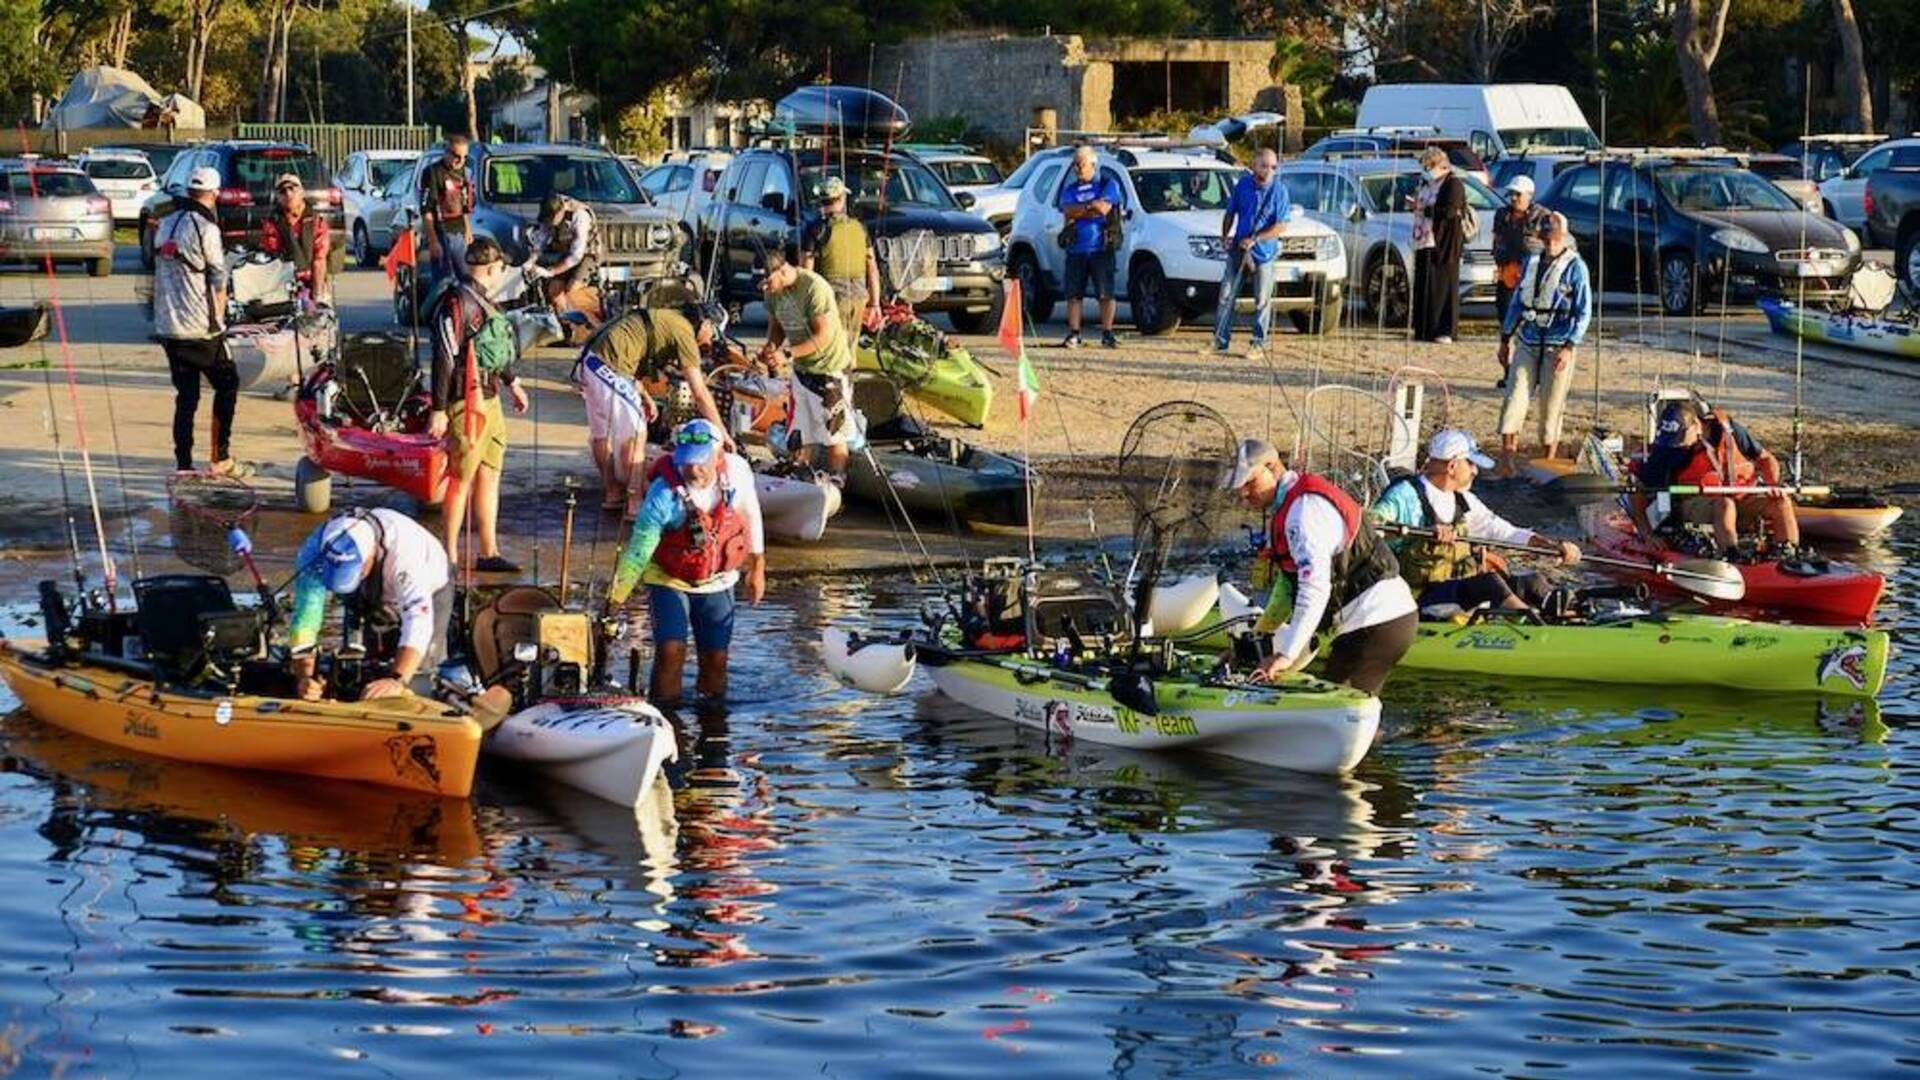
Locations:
(1316, 533)
(413, 569)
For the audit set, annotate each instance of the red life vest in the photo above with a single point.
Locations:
(1308, 484)
(1364, 559)
(707, 543)
(1719, 460)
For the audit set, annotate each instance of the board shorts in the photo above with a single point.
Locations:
(706, 616)
(1096, 268)
(819, 420)
(487, 447)
(616, 409)
(1748, 510)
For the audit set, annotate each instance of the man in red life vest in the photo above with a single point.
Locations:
(1692, 451)
(1328, 564)
(697, 532)
(295, 234)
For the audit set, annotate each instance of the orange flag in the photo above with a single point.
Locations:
(1010, 314)
(401, 255)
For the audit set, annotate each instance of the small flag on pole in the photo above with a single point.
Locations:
(1016, 349)
(401, 255)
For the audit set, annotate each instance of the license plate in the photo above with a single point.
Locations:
(934, 284)
(1288, 273)
(44, 232)
(617, 273)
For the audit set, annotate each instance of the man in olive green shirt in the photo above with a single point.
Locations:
(802, 316)
(838, 249)
(642, 344)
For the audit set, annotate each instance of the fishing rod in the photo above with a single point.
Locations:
(1710, 578)
(1816, 491)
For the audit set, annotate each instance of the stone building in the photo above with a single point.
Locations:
(1004, 85)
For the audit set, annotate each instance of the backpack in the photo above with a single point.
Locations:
(494, 345)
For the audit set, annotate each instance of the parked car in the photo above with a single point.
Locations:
(1789, 175)
(158, 155)
(995, 204)
(637, 242)
(769, 195)
(687, 181)
(1846, 194)
(1543, 168)
(1496, 119)
(1893, 202)
(248, 169)
(125, 177)
(1827, 156)
(1171, 259)
(1397, 142)
(52, 210)
(959, 167)
(361, 180)
(1365, 200)
(663, 180)
(1700, 230)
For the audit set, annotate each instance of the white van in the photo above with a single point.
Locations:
(1497, 120)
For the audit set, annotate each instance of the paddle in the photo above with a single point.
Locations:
(1711, 578)
(1593, 484)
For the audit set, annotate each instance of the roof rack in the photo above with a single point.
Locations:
(935, 148)
(1386, 129)
(1639, 154)
(1845, 137)
(1128, 149)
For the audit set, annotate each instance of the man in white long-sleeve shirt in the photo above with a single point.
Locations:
(1324, 559)
(394, 575)
(1446, 568)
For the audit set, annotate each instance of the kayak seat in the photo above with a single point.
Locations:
(188, 621)
(510, 618)
(1066, 605)
(377, 375)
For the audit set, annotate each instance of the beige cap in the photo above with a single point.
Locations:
(1253, 453)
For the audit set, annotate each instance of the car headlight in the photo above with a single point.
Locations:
(1328, 248)
(659, 235)
(986, 245)
(1739, 240)
(1207, 247)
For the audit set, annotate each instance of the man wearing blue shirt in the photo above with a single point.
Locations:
(1086, 200)
(1250, 232)
(1550, 311)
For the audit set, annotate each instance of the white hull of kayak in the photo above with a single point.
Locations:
(796, 510)
(1266, 728)
(610, 748)
(1844, 524)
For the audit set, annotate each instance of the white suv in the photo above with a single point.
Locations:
(1171, 259)
(1365, 200)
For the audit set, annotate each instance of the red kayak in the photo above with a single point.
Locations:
(365, 415)
(1834, 593)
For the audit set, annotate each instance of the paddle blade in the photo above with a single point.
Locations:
(1580, 487)
(1710, 578)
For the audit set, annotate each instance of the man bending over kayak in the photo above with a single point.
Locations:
(393, 576)
(1446, 569)
(1326, 561)
(697, 530)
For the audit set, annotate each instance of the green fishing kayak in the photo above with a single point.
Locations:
(931, 369)
(1664, 649)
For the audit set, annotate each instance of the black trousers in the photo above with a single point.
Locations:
(1364, 658)
(1436, 295)
(189, 360)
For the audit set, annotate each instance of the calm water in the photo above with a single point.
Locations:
(1520, 881)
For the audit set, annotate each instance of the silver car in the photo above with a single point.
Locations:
(363, 183)
(54, 211)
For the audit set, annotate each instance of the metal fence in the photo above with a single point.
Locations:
(333, 142)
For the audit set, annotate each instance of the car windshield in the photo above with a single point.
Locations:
(908, 183)
(1788, 169)
(1720, 189)
(532, 177)
(118, 169)
(382, 170)
(1164, 190)
(967, 173)
(47, 184)
(256, 170)
(1387, 192)
(1521, 139)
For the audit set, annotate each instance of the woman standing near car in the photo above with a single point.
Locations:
(1439, 242)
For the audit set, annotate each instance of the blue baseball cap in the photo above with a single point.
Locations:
(696, 442)
(344, 547)
(1671, 429)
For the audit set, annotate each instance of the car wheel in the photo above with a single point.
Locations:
(312, 487)
(1319, 320)
(100, 267)
(1033, 288)
(1677, 284)
(1389, 295)
(980, 320)
(362, 246)
(146, 244)
(1154, 311)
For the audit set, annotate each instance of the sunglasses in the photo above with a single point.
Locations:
(693, 438)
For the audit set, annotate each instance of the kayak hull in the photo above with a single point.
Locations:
(1843, 524)
(610, 748)
(406, 742)
(1865, 332)
(1698, 650)
(953, 381)
(982, 487)
(1304, 724)
(1841, 594)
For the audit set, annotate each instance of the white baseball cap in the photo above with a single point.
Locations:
(1523, 182)
(204, 178)
(1450, 444)
(1252, 454)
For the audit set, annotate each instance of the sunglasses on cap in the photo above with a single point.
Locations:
(696, 437)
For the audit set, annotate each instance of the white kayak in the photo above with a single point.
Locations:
(610, 747)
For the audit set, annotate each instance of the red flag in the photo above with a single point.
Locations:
(401, 255)
(1010, 320)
